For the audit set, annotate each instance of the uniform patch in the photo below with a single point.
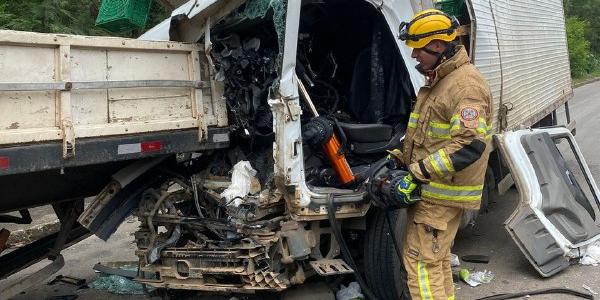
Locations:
(469, 114)
(412, 252)
(469, 117)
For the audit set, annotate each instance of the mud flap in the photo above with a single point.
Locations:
(119, 198)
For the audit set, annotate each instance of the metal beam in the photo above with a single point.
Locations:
(90, 85)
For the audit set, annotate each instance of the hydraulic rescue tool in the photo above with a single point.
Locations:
(385, 184)
(332, 146)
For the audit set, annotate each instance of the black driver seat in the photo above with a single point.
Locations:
(371, 138)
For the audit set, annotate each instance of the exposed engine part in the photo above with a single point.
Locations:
(154, 253)
(246, 56)
(296, 242)
(247, 66)
(190, 239)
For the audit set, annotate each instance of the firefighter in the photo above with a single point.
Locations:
(446, 151)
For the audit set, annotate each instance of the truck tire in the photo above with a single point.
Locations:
(383, 267)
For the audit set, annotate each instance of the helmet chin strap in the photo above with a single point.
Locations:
(441, 57)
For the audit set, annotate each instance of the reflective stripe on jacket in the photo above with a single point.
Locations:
(449, 132)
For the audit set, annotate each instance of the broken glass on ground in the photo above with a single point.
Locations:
(121, 285)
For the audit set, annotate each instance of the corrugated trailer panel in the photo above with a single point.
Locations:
(486, 57)
(531, 49)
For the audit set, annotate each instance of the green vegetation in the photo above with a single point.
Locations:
(579, 46)
(64, 16)
(583, 35)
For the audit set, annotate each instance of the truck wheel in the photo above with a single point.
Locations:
(383, 267)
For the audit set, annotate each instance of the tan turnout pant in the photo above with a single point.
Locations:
(429, 235)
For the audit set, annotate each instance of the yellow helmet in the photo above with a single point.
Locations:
(426, 26)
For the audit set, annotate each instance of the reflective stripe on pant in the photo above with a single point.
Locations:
(423, 280)
(426, 253)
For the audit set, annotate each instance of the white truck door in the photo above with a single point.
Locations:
(557, 215)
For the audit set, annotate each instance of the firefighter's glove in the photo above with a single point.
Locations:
(403, 190)
(396, 156)
(393, 190)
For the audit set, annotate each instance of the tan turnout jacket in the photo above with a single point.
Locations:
(448, 138)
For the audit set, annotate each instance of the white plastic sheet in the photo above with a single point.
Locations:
(476, 278)
(241, 181)
(592, 255)
(351, 292)
(454, 261)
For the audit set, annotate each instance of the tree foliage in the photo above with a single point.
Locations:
(587, 10)
(63, 16)
(583, 35)
(579, 47)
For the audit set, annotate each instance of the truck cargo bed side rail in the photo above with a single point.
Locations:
(65, 87)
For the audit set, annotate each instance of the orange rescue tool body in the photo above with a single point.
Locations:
(337, 159)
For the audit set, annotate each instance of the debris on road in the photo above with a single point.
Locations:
(476, 278)
(454, 261)
(547, 291)
(79, 282)
(480, 259)
(116, 268)
(63, 297)
(351, 292)
(592, 255)
(118, 284)
(589, 289)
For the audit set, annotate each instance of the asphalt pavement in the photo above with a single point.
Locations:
(512, 271)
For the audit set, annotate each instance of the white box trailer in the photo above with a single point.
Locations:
(521, 48)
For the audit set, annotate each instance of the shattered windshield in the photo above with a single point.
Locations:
(259, 9)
